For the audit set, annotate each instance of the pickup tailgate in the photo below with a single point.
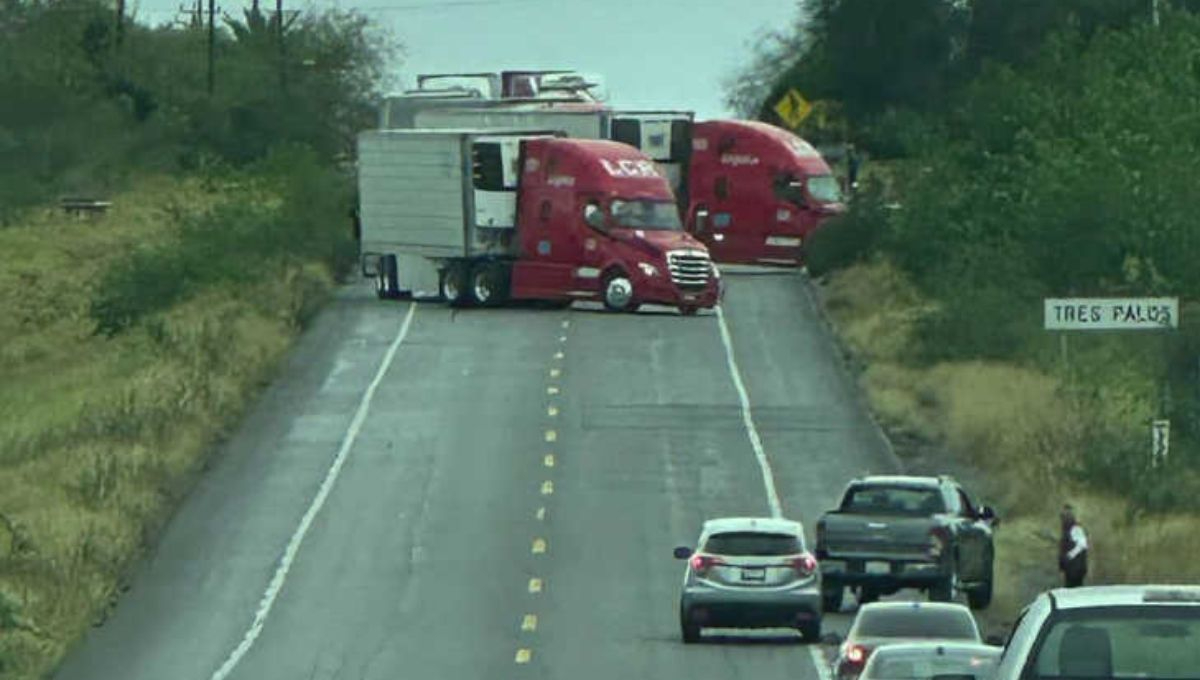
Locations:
(876, 536)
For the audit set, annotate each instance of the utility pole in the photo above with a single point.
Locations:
(279, 38)
(212, 38)
(120, 21)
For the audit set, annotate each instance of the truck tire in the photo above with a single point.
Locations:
(454, 285)
(387, 285)
(831, 598)
(810, 631)
(617, 290)
(489, 284)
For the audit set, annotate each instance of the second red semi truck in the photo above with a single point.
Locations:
(526, 215)
(752, 192)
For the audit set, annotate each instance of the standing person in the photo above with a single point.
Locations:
(1073, 549)
(853, 162)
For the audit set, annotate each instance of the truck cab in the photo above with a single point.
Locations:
(757, 192)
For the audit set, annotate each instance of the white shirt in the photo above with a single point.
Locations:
(1079, 539)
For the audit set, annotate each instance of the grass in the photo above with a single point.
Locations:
(98, 436)
(1014, 434)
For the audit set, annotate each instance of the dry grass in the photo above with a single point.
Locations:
(1014, 429)
(98, 436)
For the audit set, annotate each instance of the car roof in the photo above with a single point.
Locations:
(1125, 596)
(900, 480)
(768, 524)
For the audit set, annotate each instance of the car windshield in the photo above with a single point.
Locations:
(894, 500)
(752, 543)
(944, 624)
(1143, 642)
(824, 189)
(928, 665)
(646, 214)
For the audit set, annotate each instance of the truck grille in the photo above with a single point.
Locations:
(689, 268)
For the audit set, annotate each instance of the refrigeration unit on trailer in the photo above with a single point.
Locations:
(527, 215)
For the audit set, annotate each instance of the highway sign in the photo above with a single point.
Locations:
(793, 108)
(1161, 440)
(1110, 314)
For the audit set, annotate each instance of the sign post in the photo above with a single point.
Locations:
(1117, 314)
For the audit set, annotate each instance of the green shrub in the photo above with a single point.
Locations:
(848, 238)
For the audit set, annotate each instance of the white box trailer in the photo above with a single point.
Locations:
(418, 198)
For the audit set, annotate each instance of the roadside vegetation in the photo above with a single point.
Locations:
(1030, 150)
(131, 341)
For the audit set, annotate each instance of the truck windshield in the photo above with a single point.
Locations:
(824, 189)
(893, 500)
(1121, 642)
(646, 214)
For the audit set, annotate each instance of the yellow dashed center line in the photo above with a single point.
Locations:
(554, 373)
(524, 655)
(552, 411)
(566, 324)
(539, 546)
(541, 514)
(535, 585)
(547, 487)
(552, 390)
(549, 460)
(559, 355)
(562, 338)
(551, 436)
(529, 623)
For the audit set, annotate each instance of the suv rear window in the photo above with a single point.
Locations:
(917, 623)
(1125, 642)
(894, 500)
(752, 543)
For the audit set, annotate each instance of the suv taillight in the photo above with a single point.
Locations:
(804, 565)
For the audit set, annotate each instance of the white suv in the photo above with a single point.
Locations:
(1131, 631)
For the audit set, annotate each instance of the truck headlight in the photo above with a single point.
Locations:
(648, 269)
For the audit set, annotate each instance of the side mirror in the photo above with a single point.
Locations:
(987, 513)
(594, 217)
(831, 639)
(683, 552)
(701, 220)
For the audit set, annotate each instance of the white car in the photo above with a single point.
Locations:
(1128, 631)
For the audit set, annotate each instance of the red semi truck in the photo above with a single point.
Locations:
(757, 192)
(527, 215)
(752, 192)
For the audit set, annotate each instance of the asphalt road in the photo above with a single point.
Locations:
(494, 494)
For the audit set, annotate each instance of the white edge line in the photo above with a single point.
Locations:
(818, 659)
(751, 430)
(285, 563)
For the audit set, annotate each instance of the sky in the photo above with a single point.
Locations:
(660, 54)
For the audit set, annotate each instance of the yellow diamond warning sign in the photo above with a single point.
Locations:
(793, 108)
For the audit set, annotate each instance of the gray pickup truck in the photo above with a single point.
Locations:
(893, 532)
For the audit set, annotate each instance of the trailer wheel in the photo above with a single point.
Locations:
(387, 285)
(489, 284)
(689, 310)
(618, 291)
(454, 285)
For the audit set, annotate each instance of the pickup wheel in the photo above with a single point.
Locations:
(810, 630)
(980, 596)
(831, 598)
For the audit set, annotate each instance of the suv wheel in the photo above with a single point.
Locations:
(831, 598)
